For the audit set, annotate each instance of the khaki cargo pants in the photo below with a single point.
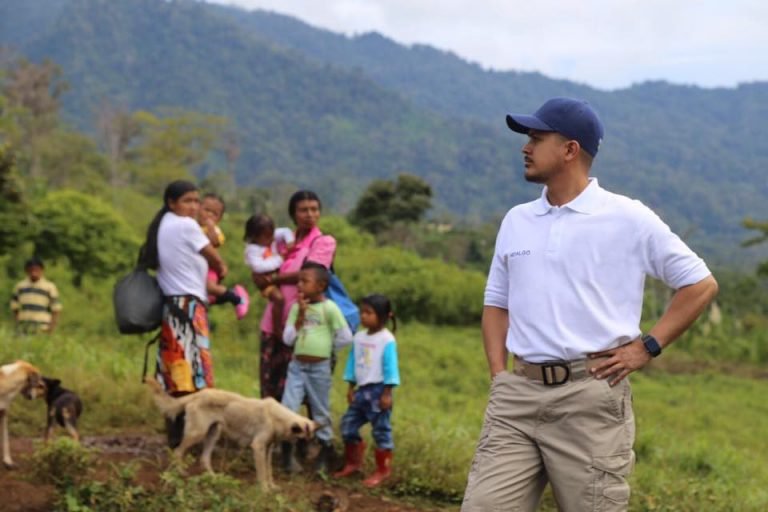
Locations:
(577, 436)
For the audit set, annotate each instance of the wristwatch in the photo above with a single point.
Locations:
(651, 345)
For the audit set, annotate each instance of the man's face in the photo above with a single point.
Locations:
(34, 272)
(543, 155)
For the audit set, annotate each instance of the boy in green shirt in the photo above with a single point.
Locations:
(314, 326)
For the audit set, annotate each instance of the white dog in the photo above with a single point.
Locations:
(19, 377)
(248, 421)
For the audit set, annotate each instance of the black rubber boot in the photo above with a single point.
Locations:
(326, 459)
(302, 450)
(175, 430)
(288, 462)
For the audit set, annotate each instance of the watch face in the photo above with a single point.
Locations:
(651, 345)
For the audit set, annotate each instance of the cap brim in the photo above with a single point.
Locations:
(523, 124)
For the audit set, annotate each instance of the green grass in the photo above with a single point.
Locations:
(702, 440)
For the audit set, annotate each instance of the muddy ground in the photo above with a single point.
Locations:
(19, 493)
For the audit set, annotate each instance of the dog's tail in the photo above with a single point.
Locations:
(168, 405)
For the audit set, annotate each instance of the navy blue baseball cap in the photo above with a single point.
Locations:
(574, 119)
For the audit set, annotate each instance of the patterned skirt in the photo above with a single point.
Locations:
(275, 357)
(184, 362)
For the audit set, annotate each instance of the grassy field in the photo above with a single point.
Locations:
(702, 438)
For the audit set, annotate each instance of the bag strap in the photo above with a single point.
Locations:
(310, 252)
(151, 342)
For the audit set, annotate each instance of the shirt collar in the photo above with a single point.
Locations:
(586, 202)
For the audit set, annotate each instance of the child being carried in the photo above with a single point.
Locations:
(264, 251)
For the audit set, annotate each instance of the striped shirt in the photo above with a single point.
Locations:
(34, 302)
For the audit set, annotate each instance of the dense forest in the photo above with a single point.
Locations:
(306, 106)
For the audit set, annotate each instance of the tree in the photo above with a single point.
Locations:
(172, 146)
(15, 220)
(116, 130)
(35, 91)
(413, 197)
(87, 232)
(762, 227)
(385, 203)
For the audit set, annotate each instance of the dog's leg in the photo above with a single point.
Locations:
(70, 423)
(7, 461)
(260, 461)
(211, 437)
(49, 425)
(181, 450)
(270, 448)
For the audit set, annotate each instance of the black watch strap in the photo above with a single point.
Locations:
(652, 345)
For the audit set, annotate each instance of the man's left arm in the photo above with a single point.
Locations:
(687, 304)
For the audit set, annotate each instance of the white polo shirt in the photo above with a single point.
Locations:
(572, 277)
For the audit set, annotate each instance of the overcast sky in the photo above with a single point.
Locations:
(604, 43)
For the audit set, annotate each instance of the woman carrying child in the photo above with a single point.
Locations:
(304, 208)
(372, 371)
(182, 253)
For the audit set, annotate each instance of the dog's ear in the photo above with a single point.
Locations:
(51, 383)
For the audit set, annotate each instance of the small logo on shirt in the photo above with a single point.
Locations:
(515, 254)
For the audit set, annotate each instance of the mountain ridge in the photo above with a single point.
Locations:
(333, 124)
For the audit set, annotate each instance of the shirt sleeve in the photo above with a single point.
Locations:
(668, 258)
(258, 264)
(285, 235)
(289, 332)
(55, 304)
(336, 318)
(322, 250)
(391, 369)
(342, 334)
(349, 369)
(497, 286)
(342, 337)
(194, 235)
(15, 299)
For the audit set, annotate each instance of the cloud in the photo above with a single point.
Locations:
(604, 43)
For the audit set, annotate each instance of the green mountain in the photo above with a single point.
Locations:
(316, 109)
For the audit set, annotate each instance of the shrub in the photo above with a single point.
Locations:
(64, 463)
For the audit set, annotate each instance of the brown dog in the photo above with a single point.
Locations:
(19, 377)
(248, 421)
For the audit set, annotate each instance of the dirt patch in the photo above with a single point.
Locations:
(19, 493)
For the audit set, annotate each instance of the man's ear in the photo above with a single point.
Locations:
(572, 150)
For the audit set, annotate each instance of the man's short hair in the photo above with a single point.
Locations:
(34, 261)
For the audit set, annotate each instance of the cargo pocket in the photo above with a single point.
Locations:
(611, 489)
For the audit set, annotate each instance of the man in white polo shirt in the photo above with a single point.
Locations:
(564, 298)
